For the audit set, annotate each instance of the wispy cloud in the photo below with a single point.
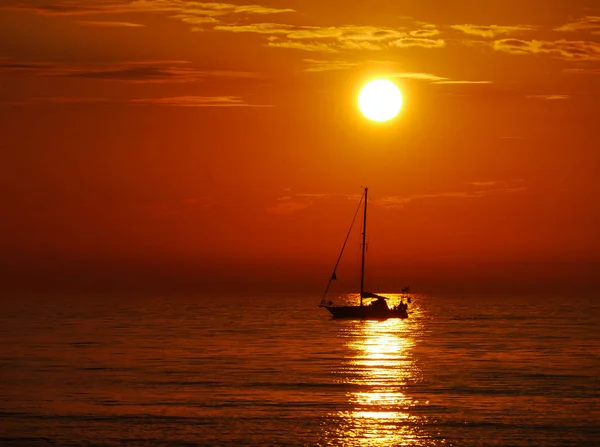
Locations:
(564, 49)
(149, 74)
(305, 46)
(291, 203)
(91, 7)
(450, 82)
(66, 8)
(435, 79)
(227, 17)
(256, 9)
(41, 100)
(288, 205)
(338, 38)
(419, 76)
(175, 101)
(433, 32)
(492, 31)
(322, 65)
(583, 71)
(409, 42)
(109, 24)
(589, 23)
(321, 196)
(192, 12)
(549, 97)
(198, 101)
(497, 183)
(477, 190)
(315, 65)
(258, 28)
(133, 72)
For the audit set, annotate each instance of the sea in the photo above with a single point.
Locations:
(276, 370)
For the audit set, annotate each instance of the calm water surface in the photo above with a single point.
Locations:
(276, 370)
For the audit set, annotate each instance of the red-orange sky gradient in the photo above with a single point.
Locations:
(173, 143)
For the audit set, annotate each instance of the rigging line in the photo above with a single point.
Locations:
(343, 246)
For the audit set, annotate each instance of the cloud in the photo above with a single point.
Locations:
(349, 33)
(319, 65)
(435, 79)
(489, 184)
(449, 82)
(583, 71)
(131, 72)
(192, 12)
(338, 38)
(317, 47)
(256, 9)
(589, 23)
(259, 28)
(409, 42)
(207, 16)
(337, 45)
(10, 66)
(549, 97)
(226, 17)
(491, 31)
(109, 24)
(419, 76)
(287, 205)
(564, 49)
(424, 33)
(322, 196)
(327, 65)
(198, 101)
(478, 190)
(176, 101)
(496, 183)
(196, 20)
(41, 100)
(291, 203)
(65, 8)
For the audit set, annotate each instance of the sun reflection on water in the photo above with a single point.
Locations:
(378, 368)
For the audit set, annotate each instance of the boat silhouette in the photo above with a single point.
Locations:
(377, 307)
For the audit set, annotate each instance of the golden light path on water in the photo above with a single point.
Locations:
(379, 366)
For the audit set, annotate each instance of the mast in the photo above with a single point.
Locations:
(333, 276)
(364, 245)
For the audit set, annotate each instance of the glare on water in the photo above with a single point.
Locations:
(379, 366)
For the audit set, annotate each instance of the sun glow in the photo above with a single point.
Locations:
(380, 100)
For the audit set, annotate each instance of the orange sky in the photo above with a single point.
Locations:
(221, 141)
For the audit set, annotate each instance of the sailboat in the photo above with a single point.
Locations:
(377, 308)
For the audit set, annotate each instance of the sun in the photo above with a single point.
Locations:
(380, 100)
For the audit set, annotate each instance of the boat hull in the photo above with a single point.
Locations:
(365, 312)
